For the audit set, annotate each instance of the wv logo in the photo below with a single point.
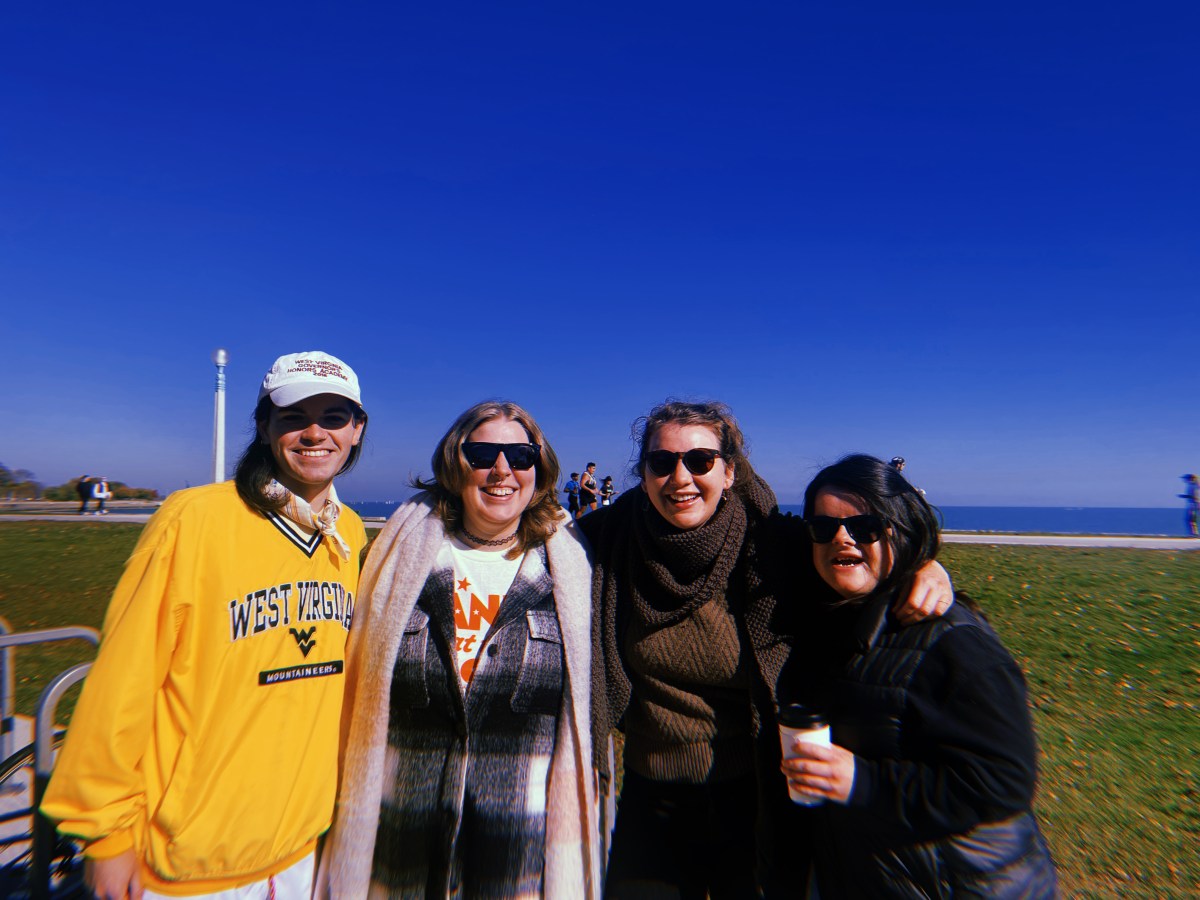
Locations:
(302, 639)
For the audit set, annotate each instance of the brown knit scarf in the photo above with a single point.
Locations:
(648, 569)
(676, 572)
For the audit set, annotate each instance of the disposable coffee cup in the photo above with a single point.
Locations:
(804, 724)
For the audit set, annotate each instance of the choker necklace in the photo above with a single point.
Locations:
(484, 542)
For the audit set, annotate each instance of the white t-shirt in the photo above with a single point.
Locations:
(481, 579)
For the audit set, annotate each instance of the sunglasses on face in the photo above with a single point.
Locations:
(699, 461)
(482, 454)
(862, 529)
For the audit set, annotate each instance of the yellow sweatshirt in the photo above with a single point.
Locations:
(206, 734)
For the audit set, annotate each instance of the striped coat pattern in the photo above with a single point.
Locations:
(398, 607)
(466, 811)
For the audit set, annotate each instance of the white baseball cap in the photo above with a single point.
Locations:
(298, 376)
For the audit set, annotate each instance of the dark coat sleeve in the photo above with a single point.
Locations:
(968, 744)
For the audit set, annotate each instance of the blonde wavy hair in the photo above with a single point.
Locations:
(452, 474)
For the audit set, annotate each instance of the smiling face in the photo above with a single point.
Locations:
(494, 499)
(311, 441)
(853, 570)
(683, 499)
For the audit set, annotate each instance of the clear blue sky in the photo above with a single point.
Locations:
(965, 234)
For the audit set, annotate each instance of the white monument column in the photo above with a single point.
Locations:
(220, 358)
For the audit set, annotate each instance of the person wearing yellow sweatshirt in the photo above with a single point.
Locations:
(202, 757)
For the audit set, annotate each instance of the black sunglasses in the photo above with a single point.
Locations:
(483, 454)
(699, 461)
(862, 529)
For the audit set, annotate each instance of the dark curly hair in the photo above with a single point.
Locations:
(708, 413)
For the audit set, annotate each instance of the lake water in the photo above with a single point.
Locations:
(1015, 519)
(1060, 520)
(1064, 520)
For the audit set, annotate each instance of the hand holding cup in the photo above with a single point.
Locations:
(818, 772)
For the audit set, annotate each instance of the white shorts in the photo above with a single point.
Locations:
(293, 883)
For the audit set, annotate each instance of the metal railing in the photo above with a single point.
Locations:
(10, 640)
(43, 832)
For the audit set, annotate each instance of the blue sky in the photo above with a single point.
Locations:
(965, 235)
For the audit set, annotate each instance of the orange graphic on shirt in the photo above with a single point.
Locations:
(472, 625)
(478, 609)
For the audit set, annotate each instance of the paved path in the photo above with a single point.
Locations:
(1073, 540)
(951, 537)
(137, 518)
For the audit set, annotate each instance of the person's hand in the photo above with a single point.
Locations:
(115, 878)
(931, 595)
(819, 771)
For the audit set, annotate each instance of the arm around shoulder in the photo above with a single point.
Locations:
(932, 593)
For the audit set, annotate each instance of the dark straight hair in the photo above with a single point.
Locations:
(914, 534)
(256, 467)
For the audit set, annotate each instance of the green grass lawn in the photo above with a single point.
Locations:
(57, 574)
(1109, 639)
(1109, 642)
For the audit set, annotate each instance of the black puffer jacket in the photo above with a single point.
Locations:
(945, 762)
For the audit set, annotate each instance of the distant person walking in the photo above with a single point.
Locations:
(607, 491)
(572, 492)
(1191, 486)
(102, 494)
(84, 489)
(898, 464)
(588, 489)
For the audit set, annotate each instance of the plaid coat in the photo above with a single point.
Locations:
(486, 753)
